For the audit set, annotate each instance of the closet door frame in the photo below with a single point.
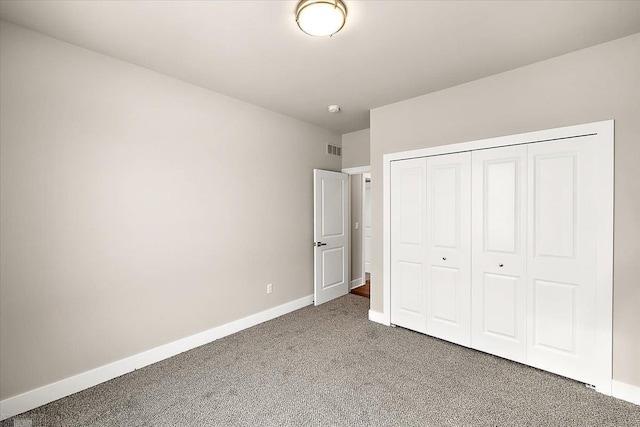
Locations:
(604, 133)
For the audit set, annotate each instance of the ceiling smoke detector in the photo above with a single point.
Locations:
(334, 108)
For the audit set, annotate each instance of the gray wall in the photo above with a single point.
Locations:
(598, 83)
(137, 209)
(356, 149)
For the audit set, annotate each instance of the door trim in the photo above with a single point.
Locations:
(604, 132)
(357, 170)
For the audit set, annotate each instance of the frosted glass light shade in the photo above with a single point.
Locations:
(321, 18)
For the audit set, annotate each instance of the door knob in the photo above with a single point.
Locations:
(319, 244)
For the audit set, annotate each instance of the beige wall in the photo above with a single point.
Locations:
(137, 209)
(356, 234)
(356, 149)
(599, 83)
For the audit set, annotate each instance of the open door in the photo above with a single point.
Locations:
(331, 235)
(366, 223)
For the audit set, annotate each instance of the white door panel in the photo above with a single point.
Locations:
(499, 210)
(367, 224)
(332, 206)
(443, 296)
(562, 257)
(499, 306)
(448, 239)
(499, 251)
(408, 254)
(331, 235)
(367, 250)
(410, 275)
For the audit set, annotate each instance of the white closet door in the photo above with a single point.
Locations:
(562, 257)
(499, 177)
(448, 267)
(408, 249)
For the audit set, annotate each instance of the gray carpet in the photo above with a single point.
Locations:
(330, 366)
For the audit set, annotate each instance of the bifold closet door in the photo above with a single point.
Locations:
(408, 249)
(499, 196)
(448, 267)
(562, 257)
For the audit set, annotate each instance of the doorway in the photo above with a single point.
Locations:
(365, 289)
(360, 218)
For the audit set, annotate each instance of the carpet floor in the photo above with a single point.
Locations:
(330, 366)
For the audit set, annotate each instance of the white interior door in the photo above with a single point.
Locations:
(562, 257)
(331, 235)
(408, 248)
(367, 222)
(499, 177)
(448, 241)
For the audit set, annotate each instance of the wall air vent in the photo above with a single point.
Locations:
(334, 150)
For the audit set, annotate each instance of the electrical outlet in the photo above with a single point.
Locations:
(269, 288)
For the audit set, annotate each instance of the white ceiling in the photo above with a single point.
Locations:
(387, 52)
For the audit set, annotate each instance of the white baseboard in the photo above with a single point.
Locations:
(376, 316)
(357, 283)
(48, 393)
(628, 392)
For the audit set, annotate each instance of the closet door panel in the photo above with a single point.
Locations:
(562, 257)
(499, 306)
(408, 249)
(448, 238)
(443, 296)
(499, 251)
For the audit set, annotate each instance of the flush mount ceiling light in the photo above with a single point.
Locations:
(321, 18)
